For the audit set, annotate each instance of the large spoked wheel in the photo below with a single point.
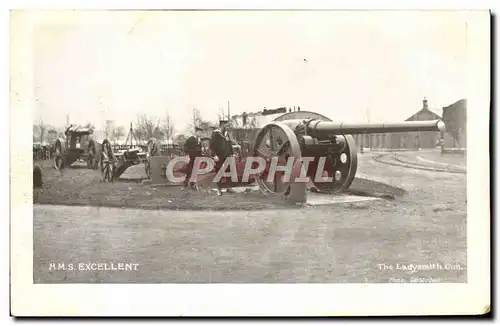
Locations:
(107, 162)
(59, 155)
(278, 142)
(153, 149)
(340, 166)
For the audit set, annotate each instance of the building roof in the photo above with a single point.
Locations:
(462, 103)
(260, 120)
(434, 116)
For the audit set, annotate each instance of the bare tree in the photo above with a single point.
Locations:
(220, 114)
(108, 128)
(199, 122)
(144, 127)
(51, 135)
(39, 130)
(148, 127)
(167, 128)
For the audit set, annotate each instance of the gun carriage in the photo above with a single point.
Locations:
(115, 161)
(78, 145)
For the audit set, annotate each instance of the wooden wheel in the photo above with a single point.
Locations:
(276, 141)
(59, 154)
(153, 149)
(107, 162)
(93, 156)
(341, 166)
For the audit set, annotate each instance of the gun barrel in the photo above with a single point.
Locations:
(317, 127)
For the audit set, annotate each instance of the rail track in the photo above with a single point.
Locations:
(426, 165)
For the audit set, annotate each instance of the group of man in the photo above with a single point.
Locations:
(220, 145)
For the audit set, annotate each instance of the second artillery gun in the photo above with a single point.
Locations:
(114, 163)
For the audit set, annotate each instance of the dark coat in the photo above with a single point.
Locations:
(192, 145)
(220, 144)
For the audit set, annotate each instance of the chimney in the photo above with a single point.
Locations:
(425, 103)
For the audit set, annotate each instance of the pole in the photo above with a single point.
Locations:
(131, 134)
(194, 120)
(228, 111)
(369, 142)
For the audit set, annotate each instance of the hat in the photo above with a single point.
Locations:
(223, 122)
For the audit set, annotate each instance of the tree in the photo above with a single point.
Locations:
(118, 133)
(221, 115)
(52, 135)
(144, 127)
(39, 130)
(199, 122)
(180, 139)
(108, 128)
(167, 127)
(148, 127)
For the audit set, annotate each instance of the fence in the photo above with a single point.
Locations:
(165, 149)
(43, 152)
(47, 152)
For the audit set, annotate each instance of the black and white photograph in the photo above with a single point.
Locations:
(250, 147)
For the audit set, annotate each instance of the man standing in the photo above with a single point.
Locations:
(222, 147)
(192, 147)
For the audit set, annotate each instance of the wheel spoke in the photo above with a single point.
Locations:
(277, 142)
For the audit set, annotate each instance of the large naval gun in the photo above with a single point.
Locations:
(329, 147)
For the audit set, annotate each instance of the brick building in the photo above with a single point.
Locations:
(404, 140)
(455, 119)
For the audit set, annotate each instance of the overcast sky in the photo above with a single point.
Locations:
(115, 65)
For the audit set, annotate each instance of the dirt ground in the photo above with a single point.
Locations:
(350, 242)
(81, 186)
